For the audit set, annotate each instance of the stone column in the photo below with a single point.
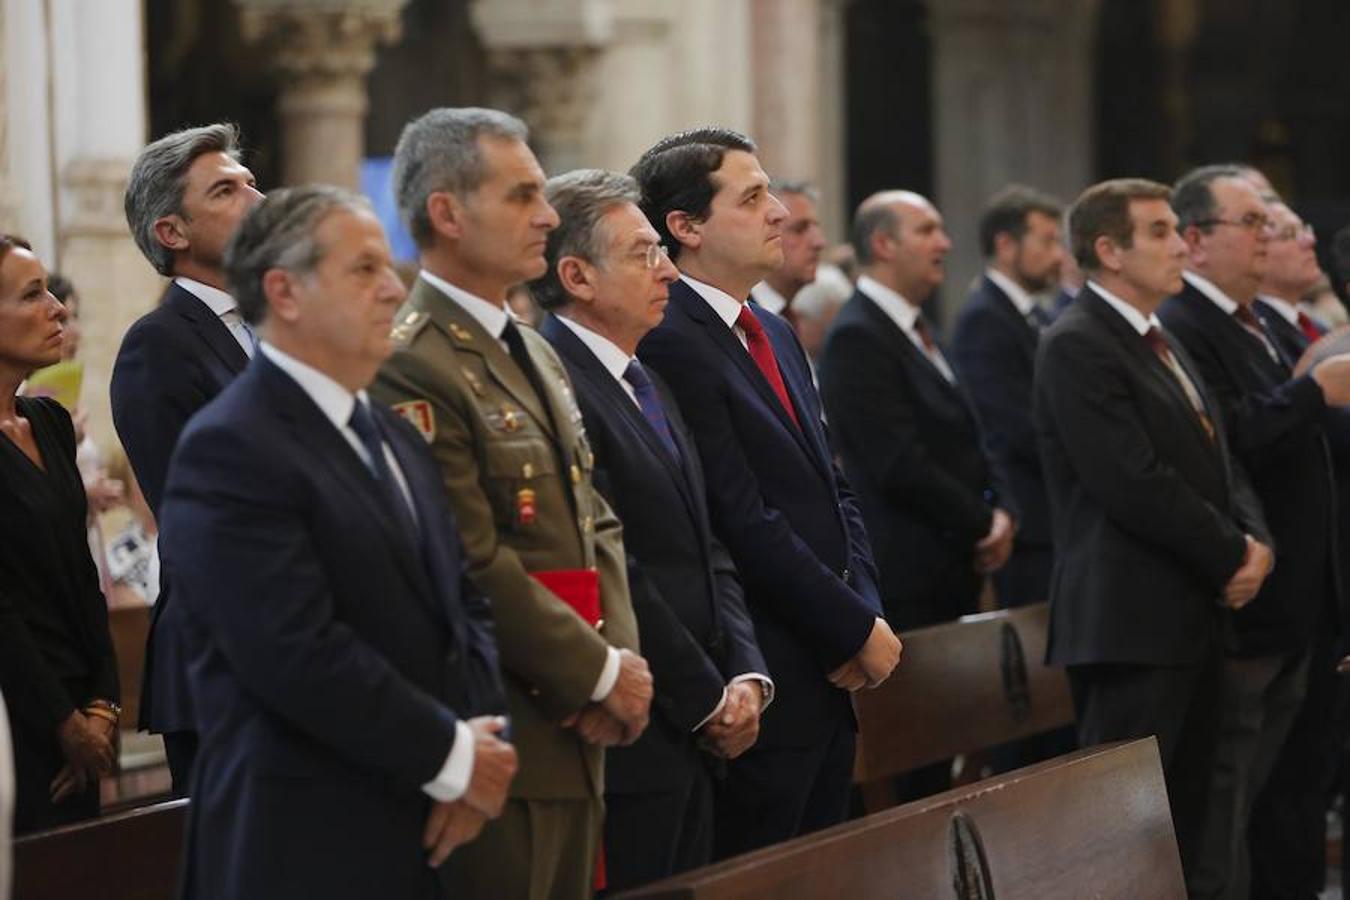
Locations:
(322, 52)
(1012, 102)
(785, 45)
(7, 221)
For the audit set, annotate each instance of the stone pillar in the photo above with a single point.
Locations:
(322, 52)
(834, 211)
(6, 185)
(785, 44)
(1012, 102)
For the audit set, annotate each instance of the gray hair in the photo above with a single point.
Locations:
(439, 151)
(800, 186)
(869, 219)
(582, 198)
(159, 177)
(278, 233)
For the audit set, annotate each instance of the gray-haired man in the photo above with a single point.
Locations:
(187, 193)
(495, 404)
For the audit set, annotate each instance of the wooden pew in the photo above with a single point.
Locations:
(130, 856)
(961, 687)
(129, 626)
(1094, 823)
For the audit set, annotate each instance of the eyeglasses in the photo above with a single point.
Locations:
(653, 255)
(1293, 233)
(1252, 221)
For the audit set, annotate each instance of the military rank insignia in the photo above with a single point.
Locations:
(419, 414)
(525, 508)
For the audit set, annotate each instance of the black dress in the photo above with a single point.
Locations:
(55, 650)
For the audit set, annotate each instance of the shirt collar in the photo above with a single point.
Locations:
(892, 303)
(215, 299)
(1287, 310)
(490, 316)
(727, 307)
(611, 357)
(332, 399)
(769, 298)
(1211, 290)
(1137, 320)
(1020, 298)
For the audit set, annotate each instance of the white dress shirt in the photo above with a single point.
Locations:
(1288, 311)
(727, 307)
(223, 305)
(493, 319)
(336, 403)
(1020, 298)
(1229, 306)
(616, 363)
(1138, 321)
(767, 297)
(904, 314)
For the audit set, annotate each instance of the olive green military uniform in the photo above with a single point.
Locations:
(520, 483)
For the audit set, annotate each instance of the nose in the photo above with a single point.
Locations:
(58, 309)
(255, 196)
(944, 241)
(392, 289)
(666, 272)
(817, 238)
(777, 211)
(548, 216)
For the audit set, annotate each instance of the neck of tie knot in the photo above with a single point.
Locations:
(636, 375)
(1154, 338)
(1245, 315)
(363, 423)
(749, 323)
(925, 334)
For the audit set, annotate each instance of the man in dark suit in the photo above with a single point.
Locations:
(775, 497)
(910, 441)
(606, 287)
(186, 194)
(994, 348)
(343, 665)
(1275, 424)
(1157, 533)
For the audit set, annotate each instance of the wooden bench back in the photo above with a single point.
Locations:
(1094, 823)
(960, 687)
(130, 856)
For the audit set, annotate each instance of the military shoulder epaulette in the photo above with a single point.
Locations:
(408, 326)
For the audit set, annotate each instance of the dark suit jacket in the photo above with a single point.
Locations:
(778, 503)
(330, 654)
(1149, 514)
(911, 445)
(1275, 428)
(173, 360)
(692, 622)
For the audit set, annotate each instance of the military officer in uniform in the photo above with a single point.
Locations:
(494, 402)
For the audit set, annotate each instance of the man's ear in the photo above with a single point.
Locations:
(577, 278)
(278, 287)
(685, 228)
(1108, 253)
(446, 214)
(169, 231)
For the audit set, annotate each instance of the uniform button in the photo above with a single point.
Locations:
(576, 475)
(587, 524)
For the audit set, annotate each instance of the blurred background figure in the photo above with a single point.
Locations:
(803, 242)
(56, 660)
(815, 307)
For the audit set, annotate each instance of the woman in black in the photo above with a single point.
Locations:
(57, 670)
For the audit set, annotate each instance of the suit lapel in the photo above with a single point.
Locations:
(1027, 333)
(783, 349)
(918, 360)
(207, 325)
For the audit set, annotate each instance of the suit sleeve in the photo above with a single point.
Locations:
(1083, 392)
(543, 643)
(266, 603)
(864, 399)
(152, 400)
(827, 614)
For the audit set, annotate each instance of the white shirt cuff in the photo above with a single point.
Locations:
(453, 779)
(608, 675)
(717, 710)
(765, 682)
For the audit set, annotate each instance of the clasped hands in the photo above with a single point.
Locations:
(992, 550)
(1246, 581)
(874, 662)
(622, 716)
(735, 728)
(459, 821)
(87, 744)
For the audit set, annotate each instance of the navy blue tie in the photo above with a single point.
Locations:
(650, 402)
(368, 430)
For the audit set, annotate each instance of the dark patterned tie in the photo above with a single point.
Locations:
(368, 430)
(761, 351)
(650, 402)
(1158, 344)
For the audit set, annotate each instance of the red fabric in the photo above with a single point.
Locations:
(578, 588)
(1308, 327)
(761, 351)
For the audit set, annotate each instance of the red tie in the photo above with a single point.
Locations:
(761, 351)
(1308, 327)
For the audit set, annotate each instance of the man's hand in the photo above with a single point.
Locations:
(596, 726)
(448, 826)
(736, 727)
(1246, 581)
(1333, 377)
(86, 744)
(494, 765)
(103, 493)
(69, 781)
(880, 654)
(849, 677)
(992, 551)
(630, 700)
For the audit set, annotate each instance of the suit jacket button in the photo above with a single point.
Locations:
(846, 574)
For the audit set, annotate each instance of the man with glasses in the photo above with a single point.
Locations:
(1275, 424)
(606, 286)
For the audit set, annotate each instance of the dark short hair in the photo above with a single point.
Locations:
(1193, 194)
(59, 286)
(677, 175)
(867, 221)
(1103, 210)
(278, 233)
(1008, 211)
(159, 177)
(582, 198)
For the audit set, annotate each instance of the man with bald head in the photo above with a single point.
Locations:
(1276, 429)
(933, 500)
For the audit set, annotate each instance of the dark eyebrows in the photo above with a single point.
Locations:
(752, 190)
